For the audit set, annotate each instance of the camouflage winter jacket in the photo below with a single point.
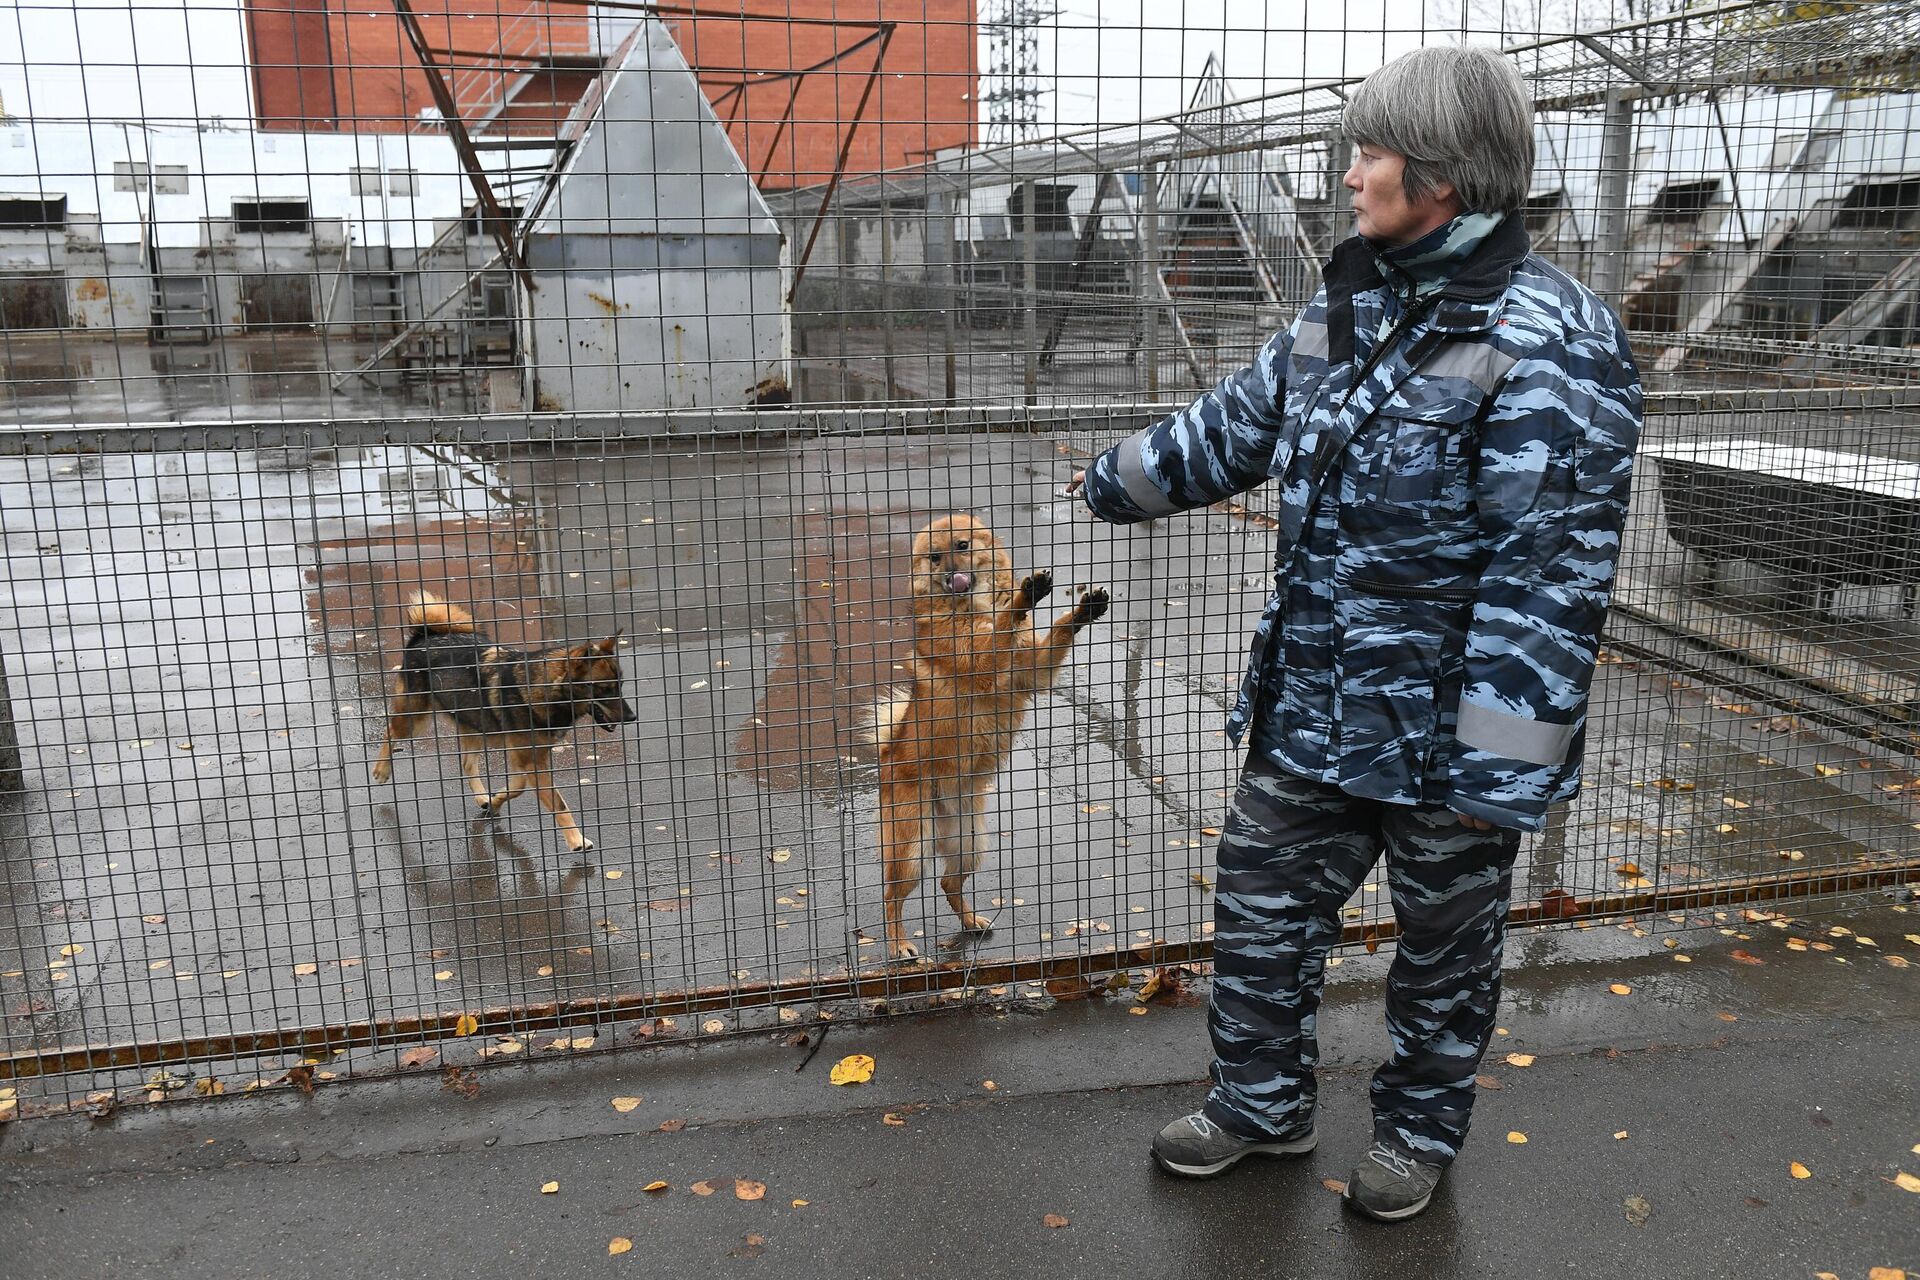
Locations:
(1451, 425)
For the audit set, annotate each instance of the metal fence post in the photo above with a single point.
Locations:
(943, 274)
(1609, 273)
(13, 778)
(886, 291)
(1029, 286)
(1149, 272)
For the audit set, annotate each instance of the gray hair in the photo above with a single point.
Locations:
(1459, 114)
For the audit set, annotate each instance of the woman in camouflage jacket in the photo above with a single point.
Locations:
(1450, 425)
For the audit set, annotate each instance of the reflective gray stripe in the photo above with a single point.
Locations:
(1480, 363)
(1310, 339)
(1145, 494)
(1515, 737)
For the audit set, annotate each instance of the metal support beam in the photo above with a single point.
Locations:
(495, 218)
(1610, 275)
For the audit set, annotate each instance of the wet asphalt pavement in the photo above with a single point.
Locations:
(1722, 1074)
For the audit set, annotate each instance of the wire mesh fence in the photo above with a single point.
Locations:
(654, 334)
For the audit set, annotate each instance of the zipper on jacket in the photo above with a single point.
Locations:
(1412, 591)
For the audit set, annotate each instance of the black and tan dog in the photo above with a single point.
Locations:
(505, 699)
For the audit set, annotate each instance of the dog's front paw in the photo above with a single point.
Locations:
(1038, 586)
(1094, 602)
(383, 771)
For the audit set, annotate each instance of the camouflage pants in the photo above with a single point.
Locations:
(1292, 853)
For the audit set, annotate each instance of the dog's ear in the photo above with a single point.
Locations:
(606, 646)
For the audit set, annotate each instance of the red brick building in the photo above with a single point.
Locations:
(786, 75)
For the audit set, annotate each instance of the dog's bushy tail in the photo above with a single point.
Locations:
(883, 719)
(430, 613)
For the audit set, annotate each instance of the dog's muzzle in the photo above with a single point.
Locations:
(610, 719)
(959, 582)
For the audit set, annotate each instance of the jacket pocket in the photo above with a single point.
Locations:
(1415, 460)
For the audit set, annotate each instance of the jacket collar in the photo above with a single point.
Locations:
(1468, 302)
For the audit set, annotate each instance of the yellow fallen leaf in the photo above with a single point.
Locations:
(1519, 1059)
(1054, 1221)
(1906, 1182)
(1516, 1137)
(655, 1187)
(465, 1025)
(625, 1104)
(801, 1204)
(1138, 1009)
(855, 1068)
(72, 949)
(441, 976)
(617, 1246)
(548, 1188)
(892, 1121)
(1620, 1135)
(544, 971)
(781, 855)
(748, 1189)
(1827, 771)
(1886, 1273)
(1799, 1170)
(302, 970)
(1620, 989)
(615, 874)
(702, 1188)
(990, 1086)
(714, 1026)
(1731, 803)
(1726, 828)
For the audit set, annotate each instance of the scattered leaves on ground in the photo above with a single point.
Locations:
(1638, 1211)
(1799, 1170)
(1519, 1059)
(1745, 957)
(855, 1068)
(419, 1056)
(1053, 1220)
(748, 1189)
(617, 1246)
(625, 1104)
(462, 1081)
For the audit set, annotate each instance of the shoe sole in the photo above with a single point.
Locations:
(1219, 1167)
(1389, 1215)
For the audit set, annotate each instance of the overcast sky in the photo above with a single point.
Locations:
(156, 60)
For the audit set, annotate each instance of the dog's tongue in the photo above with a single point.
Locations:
(960, 582)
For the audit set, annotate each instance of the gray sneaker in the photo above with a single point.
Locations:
(1389, 1185)
(1195, 1147)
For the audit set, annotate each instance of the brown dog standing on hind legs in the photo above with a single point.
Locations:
(978, 661)
(522, 703)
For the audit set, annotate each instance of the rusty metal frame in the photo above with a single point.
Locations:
(840, 162)
(496, 218)
(889, 985)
